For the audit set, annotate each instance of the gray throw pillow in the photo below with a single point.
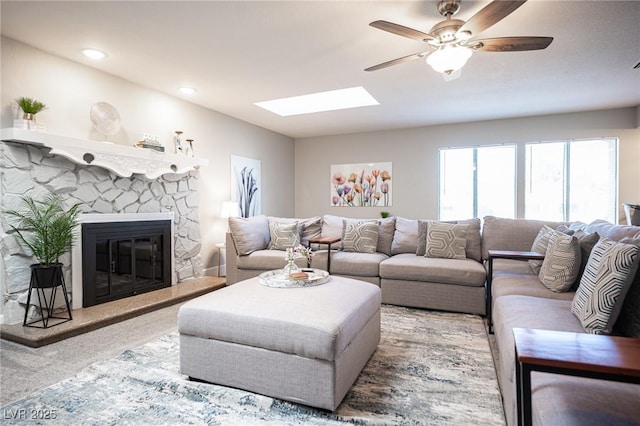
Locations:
(385, 235)
(474, 239)
(561, 264)
(283, 236)
(360, 237)
(540, 246)
(446, 241)
(609, 273)
(587, 242)
(405, 239)
(249, 234)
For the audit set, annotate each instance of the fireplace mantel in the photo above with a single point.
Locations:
(120, 159)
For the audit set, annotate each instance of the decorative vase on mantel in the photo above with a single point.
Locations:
(29, 107)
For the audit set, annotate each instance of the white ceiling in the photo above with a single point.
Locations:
(239, 52)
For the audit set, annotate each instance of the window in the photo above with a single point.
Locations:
(477, 181)
(572, 180)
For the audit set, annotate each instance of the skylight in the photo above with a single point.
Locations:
(353, 97)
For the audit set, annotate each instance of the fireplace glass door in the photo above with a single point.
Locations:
(121, 262)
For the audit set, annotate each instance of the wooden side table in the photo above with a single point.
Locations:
(503, 254)
(574, 354)
(328, 241)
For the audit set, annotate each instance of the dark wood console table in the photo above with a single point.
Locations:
(503, 254)
(574, 354)
(328, 241)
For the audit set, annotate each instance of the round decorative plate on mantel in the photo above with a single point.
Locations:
(105, 118)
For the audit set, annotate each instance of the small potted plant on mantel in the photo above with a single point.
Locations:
(29, 107)
(47, 229)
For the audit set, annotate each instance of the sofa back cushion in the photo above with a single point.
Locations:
(510, 234)
(611, 231)
(249, 234)
(405, 238)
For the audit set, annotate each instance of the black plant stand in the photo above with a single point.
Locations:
(43, 279)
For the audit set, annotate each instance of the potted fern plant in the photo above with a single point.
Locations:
(47, 229)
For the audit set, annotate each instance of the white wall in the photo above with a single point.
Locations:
(414, 154)
(69, 89)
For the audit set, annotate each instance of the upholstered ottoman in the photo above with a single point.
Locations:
(305, 345)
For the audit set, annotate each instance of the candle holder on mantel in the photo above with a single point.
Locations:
(189, 150)
(178, 142)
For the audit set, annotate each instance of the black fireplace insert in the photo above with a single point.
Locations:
(122, 259)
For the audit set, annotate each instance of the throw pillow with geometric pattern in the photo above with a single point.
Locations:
(606, 279)
(283, 235)
(360, 237)
(446, 241)
(561, 264)
(540, 246)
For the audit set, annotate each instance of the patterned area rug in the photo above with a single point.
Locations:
(430, 368)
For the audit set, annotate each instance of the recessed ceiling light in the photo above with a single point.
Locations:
(93, 53)
(188, 90)
(332, 100)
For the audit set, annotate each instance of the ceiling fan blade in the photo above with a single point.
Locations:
(397, 61)
(511, 44)
(401, 30)
(490, 15)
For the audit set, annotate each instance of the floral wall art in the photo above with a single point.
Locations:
(361, 185)
(246, 185)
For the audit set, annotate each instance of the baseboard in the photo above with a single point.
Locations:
(213, 271)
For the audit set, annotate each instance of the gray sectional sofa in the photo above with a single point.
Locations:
(518, 297)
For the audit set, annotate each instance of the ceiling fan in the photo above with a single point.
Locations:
(450, 40)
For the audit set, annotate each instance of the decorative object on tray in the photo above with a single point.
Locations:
(280, 279)
(105, 119)
(296, 252)
(290, 267)
(29, 107)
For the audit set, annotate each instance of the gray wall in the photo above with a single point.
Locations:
(414, 154)
(70, 89)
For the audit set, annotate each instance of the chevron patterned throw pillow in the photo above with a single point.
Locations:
(283, 235)
(360, 237)
(561, 264)
(609, 273)
(446, 240)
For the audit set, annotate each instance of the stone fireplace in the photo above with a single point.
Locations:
(109, 186)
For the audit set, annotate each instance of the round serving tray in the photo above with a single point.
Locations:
(277, 279)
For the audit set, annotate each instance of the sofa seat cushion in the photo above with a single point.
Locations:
(515, 277)
(356, 264)
(266, 259)
(513, 311)
(565, 400)
(320, 325)
(410, 267)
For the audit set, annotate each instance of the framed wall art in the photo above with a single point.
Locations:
(361, 185)
(246, 185)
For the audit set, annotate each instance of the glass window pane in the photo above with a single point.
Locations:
(496, 181)
(456, 183)
(592, 189)
(544, 181)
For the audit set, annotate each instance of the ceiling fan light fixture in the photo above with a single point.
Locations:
(448, 59)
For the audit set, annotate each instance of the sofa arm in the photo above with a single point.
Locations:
(231, 260)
